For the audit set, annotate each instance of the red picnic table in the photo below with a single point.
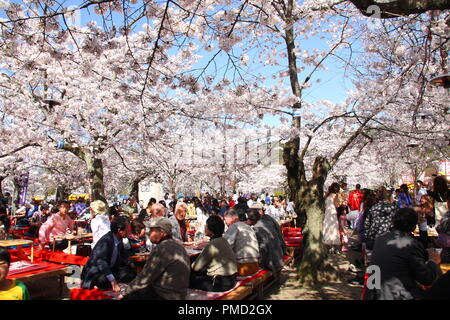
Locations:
(44, 270)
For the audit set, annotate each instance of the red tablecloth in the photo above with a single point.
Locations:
(62, 257)
(47, 266)
(88, 294)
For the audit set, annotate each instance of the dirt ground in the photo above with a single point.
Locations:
(289, 289)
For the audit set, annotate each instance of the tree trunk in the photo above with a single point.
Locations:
(314, 266)
(62, 193)
(15, 196)
(1, 189)
(133, 188)
(95, 172)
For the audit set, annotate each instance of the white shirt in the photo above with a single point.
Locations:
(421, 192)
(201, 220)
(100, 226)
(274, 212)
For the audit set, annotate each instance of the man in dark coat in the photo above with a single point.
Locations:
(108, 264)
(402, 260)
(270, 238)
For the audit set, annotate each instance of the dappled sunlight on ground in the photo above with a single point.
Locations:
(336, 290)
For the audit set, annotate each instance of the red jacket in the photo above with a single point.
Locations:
(354, 199)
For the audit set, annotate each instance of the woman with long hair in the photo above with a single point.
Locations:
(330, 230)
(441, 198)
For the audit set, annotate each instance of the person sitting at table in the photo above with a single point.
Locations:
(108, 263)
(403, 261)
(270, 238)
(242, 239)
(443, 239)
(136, 240)
(215, 268)
(165, 275)
(10, 289)
(4, 221)
(179, 228)
(100, 223)
(157, 210)
(146, 212)
(57, 225)
(37, 220)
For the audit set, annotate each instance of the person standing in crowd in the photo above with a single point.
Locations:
(330, 231)
(421, 190)
(57, 225)
(441, 198)
(267, 198)
(108, 263)
(190, 208)
(215, 268)
(273, 209)
(202, 216)
(342, 221)
(403, 261)
(355, 199)
(342, 196)
(223, 207)
(379, 218)
(100, 221)
(270, 238)
(242, 238)
(165, 275)
(178, 220)
(80, 206)
(404, 199)
(10, 289)
(241, 208)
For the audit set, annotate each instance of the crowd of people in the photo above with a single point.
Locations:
(392, 228)
(240, 235)
(244, 235)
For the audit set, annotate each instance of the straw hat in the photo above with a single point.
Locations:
(99, 207)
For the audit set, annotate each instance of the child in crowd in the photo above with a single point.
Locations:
(342, 212)
(136, 240)
(10, 289)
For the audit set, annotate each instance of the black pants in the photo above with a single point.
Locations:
(144, 294)
(201, 281)
(123, 274)
(61, 245)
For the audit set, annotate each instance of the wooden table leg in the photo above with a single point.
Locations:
(32, 252)
(54, 244)
(70, 247)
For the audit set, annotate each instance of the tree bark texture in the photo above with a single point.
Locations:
(95, 171)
